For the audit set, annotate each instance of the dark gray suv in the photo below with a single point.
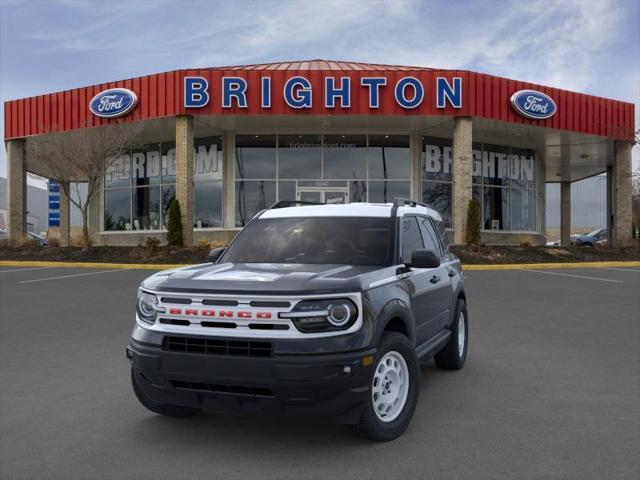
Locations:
(312, 310)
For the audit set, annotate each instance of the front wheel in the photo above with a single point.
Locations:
(454, 354)
(394, 390)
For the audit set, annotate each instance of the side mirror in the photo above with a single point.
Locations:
(215, 254)
(424, 259)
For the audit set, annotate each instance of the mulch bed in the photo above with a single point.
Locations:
(481, 255)
(513, 254)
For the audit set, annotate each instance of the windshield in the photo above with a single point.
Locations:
(594, 233)
(337, 240)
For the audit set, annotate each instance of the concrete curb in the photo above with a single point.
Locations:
(166, 266)
(130, 266)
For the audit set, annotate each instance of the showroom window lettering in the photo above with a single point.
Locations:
(146, 164)
(140, 186)
(503, 183)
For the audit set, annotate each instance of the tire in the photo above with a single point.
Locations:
(450, 357)
(395, 354)
(167, 410)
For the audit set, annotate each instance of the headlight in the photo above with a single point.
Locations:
(329, 315)
(148, 307)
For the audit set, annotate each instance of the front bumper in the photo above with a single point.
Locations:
(305, 384)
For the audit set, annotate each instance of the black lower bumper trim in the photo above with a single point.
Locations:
(317, 385)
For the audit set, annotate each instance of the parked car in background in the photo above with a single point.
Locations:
(590, 239)
(41, 239)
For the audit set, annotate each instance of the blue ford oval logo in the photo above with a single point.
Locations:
(533, 104)
(114, 102)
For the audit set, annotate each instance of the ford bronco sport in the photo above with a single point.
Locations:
(312, 309)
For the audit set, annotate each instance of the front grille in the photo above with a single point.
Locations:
(215, 388)
(217, 347)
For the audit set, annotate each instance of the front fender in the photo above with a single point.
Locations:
(387, 304)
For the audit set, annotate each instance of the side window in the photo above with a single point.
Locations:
(442, 233)
(411, 238)
(430, 236)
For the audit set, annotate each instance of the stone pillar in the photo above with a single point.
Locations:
(228, 180)
(610, 203)
(621, 184)
(462, 175)
(565, 213)
(184, 174)
(65, 216)
(415, 147)
(16, 191)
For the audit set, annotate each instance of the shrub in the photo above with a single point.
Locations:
(174, 226)
(472, 235)
(152, 245)
(525, 244)
(204, 245)
(54, 242)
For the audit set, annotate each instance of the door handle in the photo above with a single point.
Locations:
(435, 279)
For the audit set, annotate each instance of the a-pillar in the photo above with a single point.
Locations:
(184, 174)
(565, 213)
(621, 193)
(462, 175)
(16, 191)
(65, 219)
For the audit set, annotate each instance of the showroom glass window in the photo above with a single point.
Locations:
(437, 169)
(321, 168)
(503, 183)
(140, 186)
(207, 182)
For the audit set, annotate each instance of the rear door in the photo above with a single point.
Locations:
(420, 281)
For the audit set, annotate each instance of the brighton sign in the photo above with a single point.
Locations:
(533, 104)
(408, 92)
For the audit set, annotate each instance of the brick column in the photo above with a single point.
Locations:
(565, 213)
(184, 174)
(228, 181)
(16, 191)
(621, 185)
(462, 175)
(416, 166)
(65, 218)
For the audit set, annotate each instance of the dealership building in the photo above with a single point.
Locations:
(228, 142)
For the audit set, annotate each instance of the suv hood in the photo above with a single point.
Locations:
(267, 278)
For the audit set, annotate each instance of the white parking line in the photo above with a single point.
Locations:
(69, 276)
(24, 269)
(637, 270)
(577, 276)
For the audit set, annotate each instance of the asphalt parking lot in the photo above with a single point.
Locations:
(551, 389)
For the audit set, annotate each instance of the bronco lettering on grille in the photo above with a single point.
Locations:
(209, 312)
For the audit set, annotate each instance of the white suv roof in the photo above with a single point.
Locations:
(349, 210)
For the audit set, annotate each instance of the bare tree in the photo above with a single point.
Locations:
(82, 156)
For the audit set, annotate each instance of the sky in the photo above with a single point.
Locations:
(581, 45)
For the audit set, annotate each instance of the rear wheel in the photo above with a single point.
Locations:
(168, 410)
(394, 390)
(453, 356)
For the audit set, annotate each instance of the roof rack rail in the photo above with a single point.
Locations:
(291, 203)
(402, 202)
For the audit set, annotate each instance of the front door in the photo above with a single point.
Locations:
(323, 194)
